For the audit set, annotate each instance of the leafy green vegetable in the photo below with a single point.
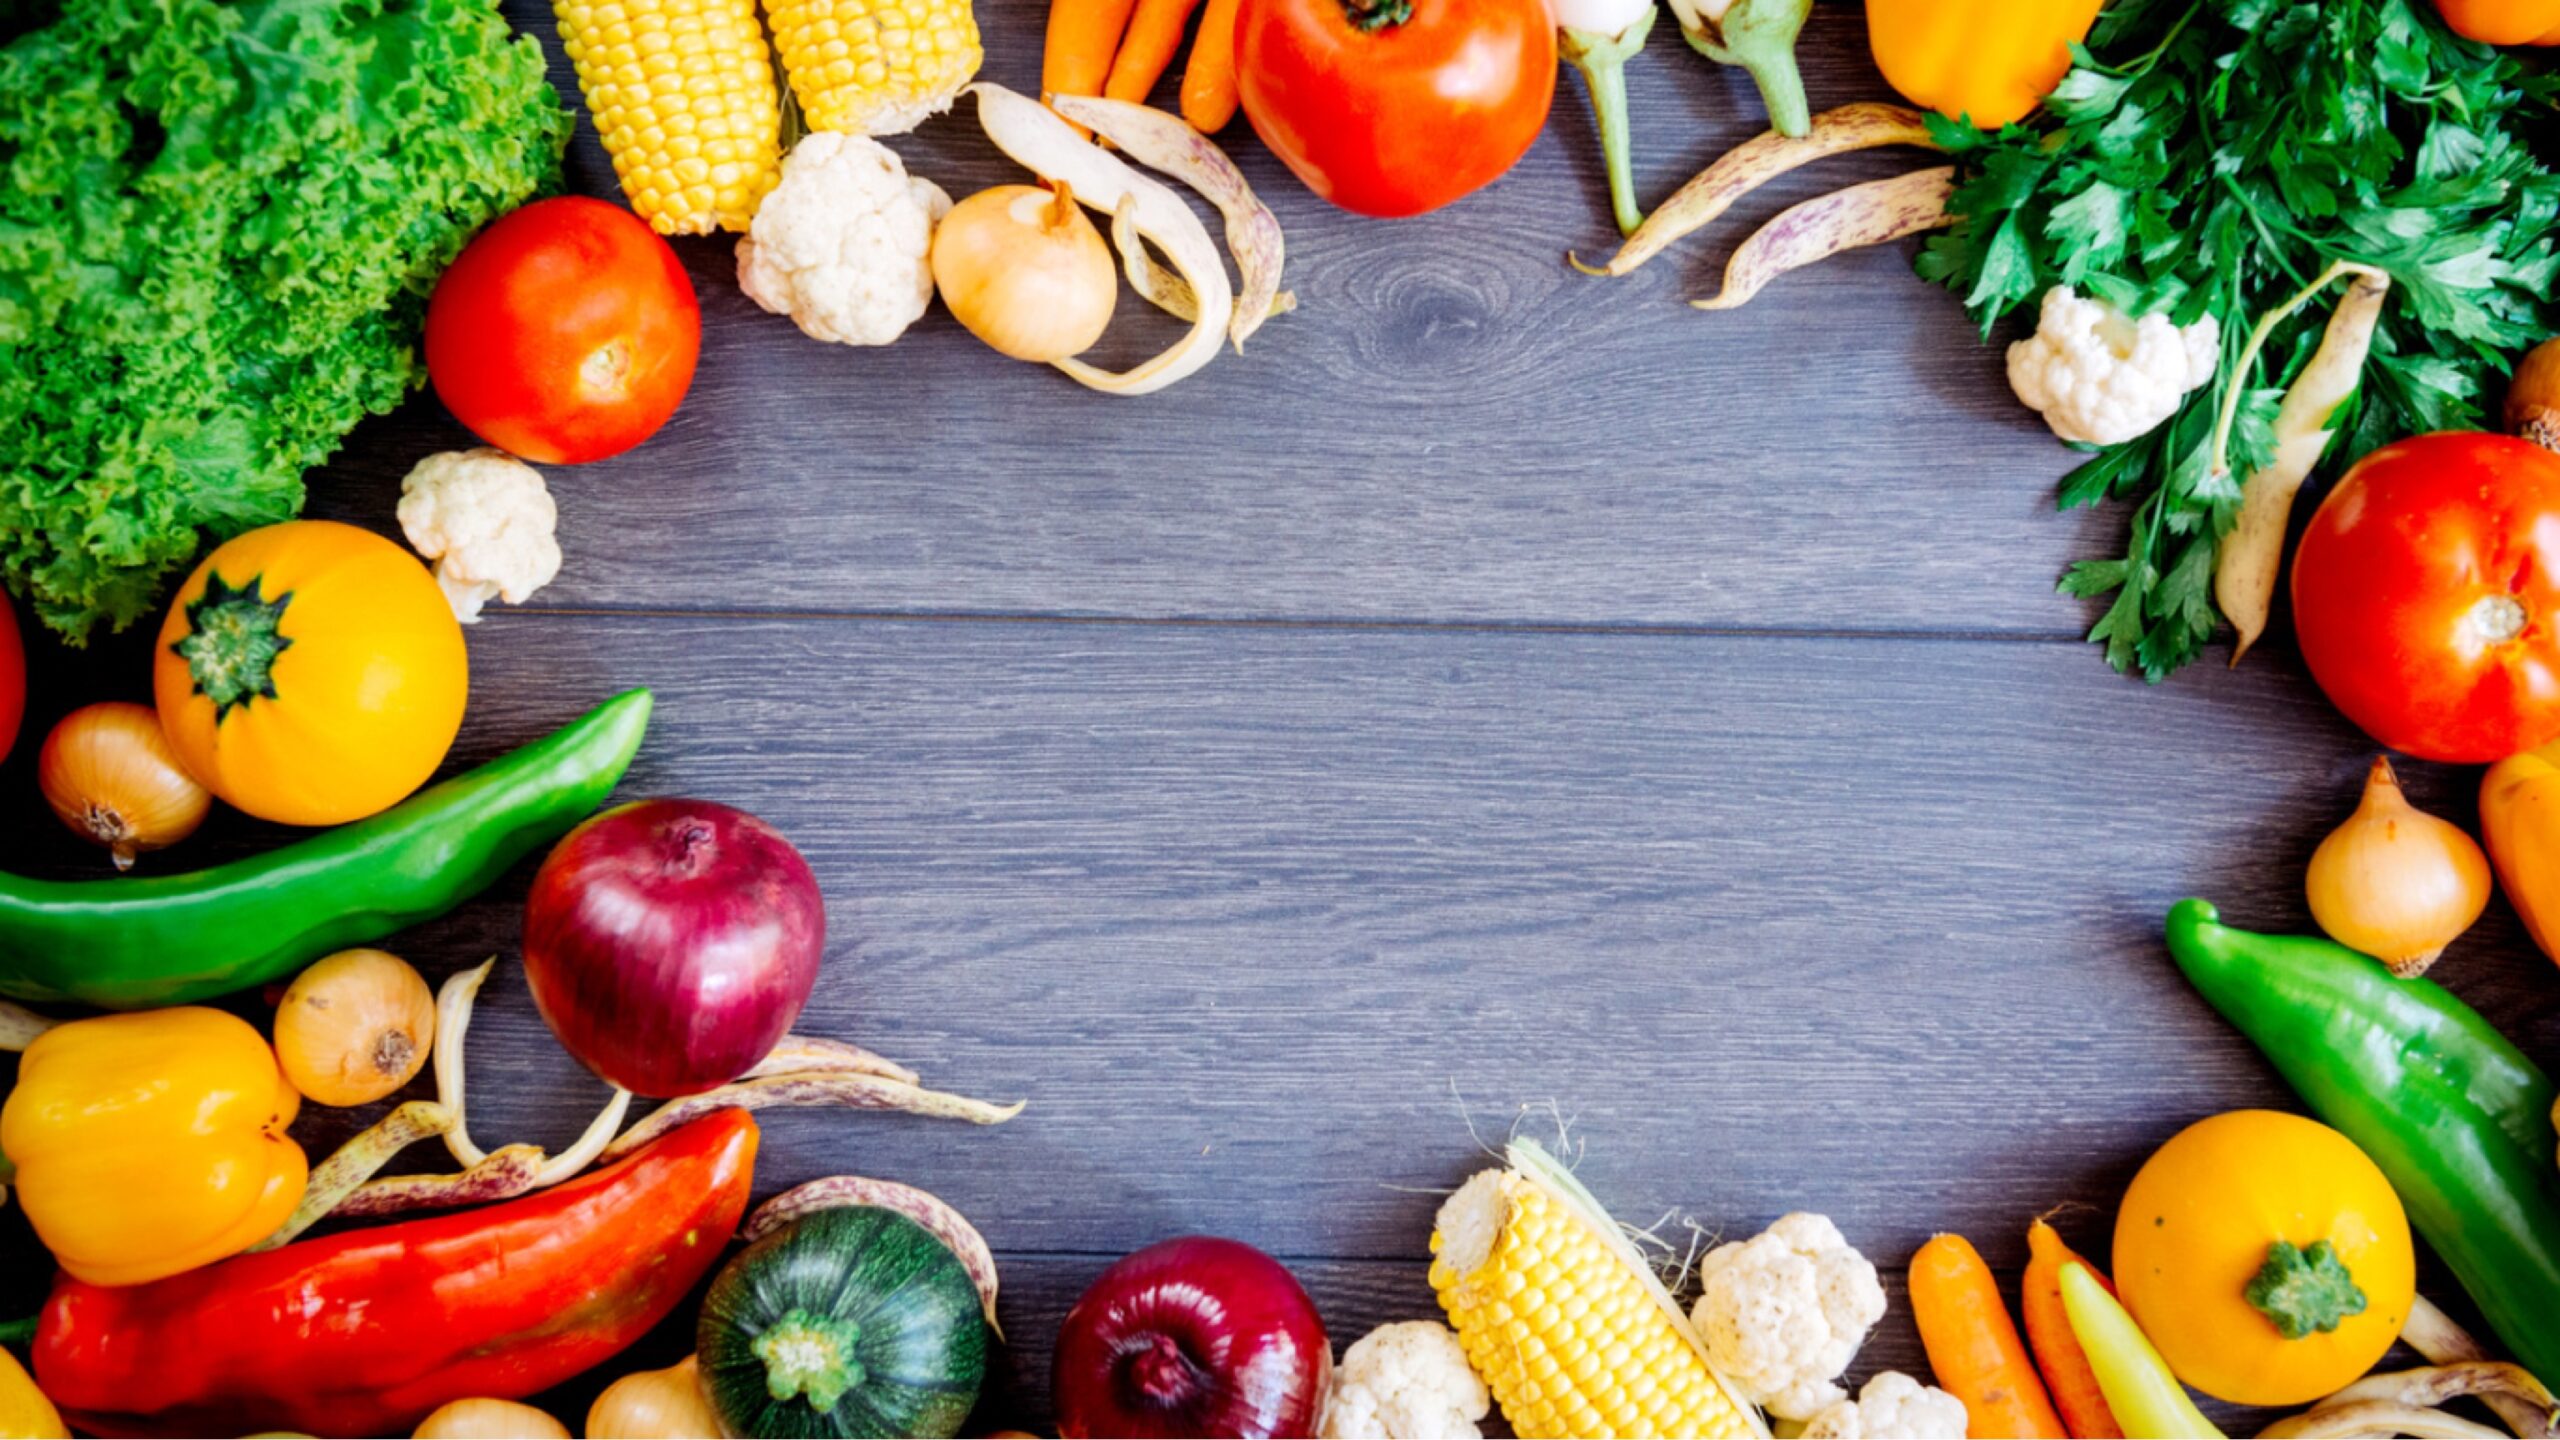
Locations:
(2224, 155)
(218, 228)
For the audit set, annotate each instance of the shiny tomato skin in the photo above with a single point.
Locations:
(1404, 119)
(2426, 595)
(565, 332)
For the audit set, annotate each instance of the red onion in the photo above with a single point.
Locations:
(671, 943)
(1192, 1337)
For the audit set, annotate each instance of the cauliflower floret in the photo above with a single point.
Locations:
(2100, 376)
(843, 244)
(1893, 1406)
(1785, 1311)
(1408, 1381)
(487, 520)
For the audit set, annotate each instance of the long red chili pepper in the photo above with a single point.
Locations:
(364, 1333)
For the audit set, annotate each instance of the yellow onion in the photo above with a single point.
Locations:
(654, 1405)
(2395, 882)
(112, 776)
(355, 1027)
(481, 1419)
(1026, 272)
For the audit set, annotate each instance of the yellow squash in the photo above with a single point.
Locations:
(2266, 1257)
(2520, 820)
(311, 673)
(24, 1412)
(152, 1143)
(1991, 60)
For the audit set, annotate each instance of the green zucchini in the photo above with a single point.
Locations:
(854, 1321)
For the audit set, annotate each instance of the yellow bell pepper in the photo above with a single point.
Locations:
(1990, 60)
(2520, 823)
(24, 1412)
(152, 1143)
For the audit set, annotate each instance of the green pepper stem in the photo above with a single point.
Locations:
(1602, 59)
(1760, 36)
(20, 1333)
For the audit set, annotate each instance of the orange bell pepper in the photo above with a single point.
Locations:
(1988, 60)
(2504, 22)
(152, 1143)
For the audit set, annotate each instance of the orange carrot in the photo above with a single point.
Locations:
(1155, 32)
(2073, 1385)
(1083, 36)
(1974, 1345)
(1209, 81)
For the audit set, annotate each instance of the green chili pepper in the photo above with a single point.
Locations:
(2148, 1401)
(2451, 1110)
(171, 940)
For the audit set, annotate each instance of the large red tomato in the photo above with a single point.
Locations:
(565, 332)
(1394, 107)
(2427, 596)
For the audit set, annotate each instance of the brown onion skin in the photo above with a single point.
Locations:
(670, 943)
(1192, 1337)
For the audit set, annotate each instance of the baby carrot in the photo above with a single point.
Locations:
(1209, 81)
(1974, 1346)
(1083, 36)
(1155, 32)
(2065, 1365)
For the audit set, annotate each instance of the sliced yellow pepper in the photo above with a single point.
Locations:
(24, 1412)
(152, 1143)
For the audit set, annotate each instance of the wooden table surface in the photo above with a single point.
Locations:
(1497, 694)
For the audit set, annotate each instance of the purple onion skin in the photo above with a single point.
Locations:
(1192, 1337)
(671, 943)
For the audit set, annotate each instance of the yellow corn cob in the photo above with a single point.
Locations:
(1562, 1319)
(874, 67)
(683, 95)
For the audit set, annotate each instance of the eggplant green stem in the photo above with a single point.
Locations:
(1602, 59)
(1759, 36)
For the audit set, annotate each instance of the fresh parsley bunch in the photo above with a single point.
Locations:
(2219, 158)
(219, 222)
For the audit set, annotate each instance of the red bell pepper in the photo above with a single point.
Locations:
(365, 1332)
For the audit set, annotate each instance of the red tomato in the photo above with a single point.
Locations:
(13, 677)
(2427, 596)
(1403, 118)
(565, 332)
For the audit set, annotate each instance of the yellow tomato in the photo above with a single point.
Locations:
(2252, 1223)
(311, 673)
(24, 1412)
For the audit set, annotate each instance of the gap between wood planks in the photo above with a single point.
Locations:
(1330, 625)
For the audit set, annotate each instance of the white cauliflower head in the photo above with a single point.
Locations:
(1784, 1312)
(2099, 376)
(1408, 1381)
(843, 244)
(1892, 1406)
(487, 520)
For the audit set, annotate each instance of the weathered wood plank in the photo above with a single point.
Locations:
(1456, 426)
(1272, 924)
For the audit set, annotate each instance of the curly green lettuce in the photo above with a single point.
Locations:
(219, 223)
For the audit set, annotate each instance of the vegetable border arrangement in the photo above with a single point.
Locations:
(2271, 248)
